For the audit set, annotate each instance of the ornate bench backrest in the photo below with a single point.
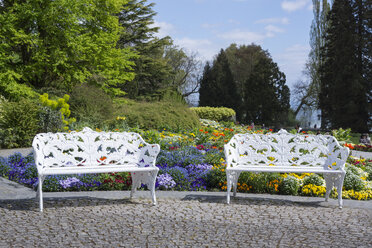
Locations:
(90, 148)
(283, 149)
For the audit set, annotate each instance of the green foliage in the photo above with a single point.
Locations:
(50, 120)
(345, 74)
(216, 114)
(260, 182)
(215, 178)
(18, 123)
(217, 86)
(61, 105)
(353, 181)
(150, 67)
(342, 134)
(115, 181)
(61, 43)
(313, 179)
(90, 104)
(289, 186)
(159, 115)
(239, 77)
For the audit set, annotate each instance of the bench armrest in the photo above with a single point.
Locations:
(231, 154)
(337, 159)
(149, 154)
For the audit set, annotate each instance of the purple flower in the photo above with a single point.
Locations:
(70, 182)
(166, 181)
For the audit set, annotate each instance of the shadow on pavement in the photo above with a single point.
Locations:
(257, 200)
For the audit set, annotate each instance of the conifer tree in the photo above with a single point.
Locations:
(344, 95)
(139, 31)
(217, 86)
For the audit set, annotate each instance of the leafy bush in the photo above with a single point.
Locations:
(289, 186)
(216, 114)
(342, 134)
(160, 115)
(60, 105)
(353, 181)
(260, 182)
(18, 123)
(50, 120)
(91, 104)
(313, 179)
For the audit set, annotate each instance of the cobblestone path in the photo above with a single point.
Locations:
(90, 222)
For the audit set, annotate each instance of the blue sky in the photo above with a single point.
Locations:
(205, 26)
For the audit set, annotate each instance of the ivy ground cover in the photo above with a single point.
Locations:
(194, 161)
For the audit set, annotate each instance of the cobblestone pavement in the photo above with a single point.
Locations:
(199, 222)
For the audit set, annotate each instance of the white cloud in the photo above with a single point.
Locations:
(294, 5)
(292, 62)
(205, 48)
(243, 37)
(271, 30)
(164, 29)
(283, 20)
(209, 26)
(232, 21)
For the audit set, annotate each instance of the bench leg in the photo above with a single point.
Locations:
(40, 192)
(329, 185)
(235, 182)
(340, 184)
(151, 185)
(135, 181)
(230, 176)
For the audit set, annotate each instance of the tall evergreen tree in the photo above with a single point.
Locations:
(266, 95)
(206, 95)
(246, 79)
(218, 85)
(151, 68)
(343, 97)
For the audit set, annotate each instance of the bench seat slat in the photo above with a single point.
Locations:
(283, 169)
(95, 169)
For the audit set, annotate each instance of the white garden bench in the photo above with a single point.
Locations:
(96, 152)
(284, 152)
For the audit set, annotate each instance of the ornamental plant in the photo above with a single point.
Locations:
(289, 186)
(61, 105)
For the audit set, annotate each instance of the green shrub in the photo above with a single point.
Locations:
(91, 104)
(173, 116)
(289, 186)
(50, 120)
(261, 182)
(342, 134)
(314, 179)
(59, 105)
(18, 123)
(216, 114)
(353, 181)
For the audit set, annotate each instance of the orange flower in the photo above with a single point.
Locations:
(270, 130)
(201, 130)
(349, 145)
(102, 158)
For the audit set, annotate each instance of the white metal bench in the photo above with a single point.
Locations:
(96, 152)
(284, 152)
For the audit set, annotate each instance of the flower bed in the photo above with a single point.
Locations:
(191, 161)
